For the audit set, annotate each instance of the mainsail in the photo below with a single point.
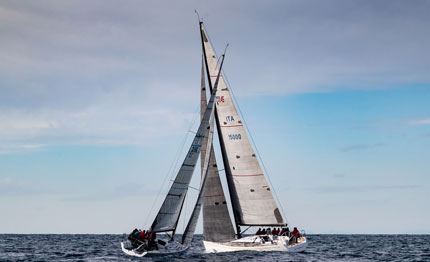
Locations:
(251, 196)
(168, 215)
(217, 225)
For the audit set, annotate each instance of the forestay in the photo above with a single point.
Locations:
(168, 216)
(251, 196)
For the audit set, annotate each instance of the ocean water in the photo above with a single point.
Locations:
(320, 248)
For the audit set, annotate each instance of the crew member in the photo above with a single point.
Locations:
(295, 233)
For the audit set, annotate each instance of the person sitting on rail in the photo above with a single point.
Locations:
(287, 232)
(136, 233)
(258, 231)
(296, 233)
(282, 231)
(274, 231)
(134, 237)
(131, 235)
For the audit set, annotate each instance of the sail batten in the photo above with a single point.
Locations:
(251, 196)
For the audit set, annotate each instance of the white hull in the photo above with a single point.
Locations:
(170, 249)
(254, 243)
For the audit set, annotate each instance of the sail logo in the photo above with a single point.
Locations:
(193, 149)
(229, 118)
(219, 99)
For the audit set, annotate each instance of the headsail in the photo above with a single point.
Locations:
(168, 216)
(206, 155)
(251, 196)
(187, 237)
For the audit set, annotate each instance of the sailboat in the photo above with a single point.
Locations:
(141, 243)
(251, 198)
(252, 201)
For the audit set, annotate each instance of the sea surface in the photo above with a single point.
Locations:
(320, 248)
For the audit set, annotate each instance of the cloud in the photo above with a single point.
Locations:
(360, 147)
(363, 188)
(304, 47)
(420, 122)
(15, 187)
(10, 186)
(101, 72)
(19, 148)
(129, 116)
(339, 176)
(333, 45)
(118, 192)
(24, 130)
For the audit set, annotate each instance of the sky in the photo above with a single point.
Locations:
(97, 98)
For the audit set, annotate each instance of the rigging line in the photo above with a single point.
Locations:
(222, 56)
(195, 188)
(213, 48)
(255, 146)
(197, 13)
(198, 16)
(171, 169)
(245, 230)
(185, 140)
(184, 212)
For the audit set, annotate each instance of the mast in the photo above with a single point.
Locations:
(203, 105)
(252, 200)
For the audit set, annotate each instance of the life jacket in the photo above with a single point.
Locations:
(142, 235)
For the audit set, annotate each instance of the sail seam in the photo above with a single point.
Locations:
(232, 126)
(214, 195)
(250, 175)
